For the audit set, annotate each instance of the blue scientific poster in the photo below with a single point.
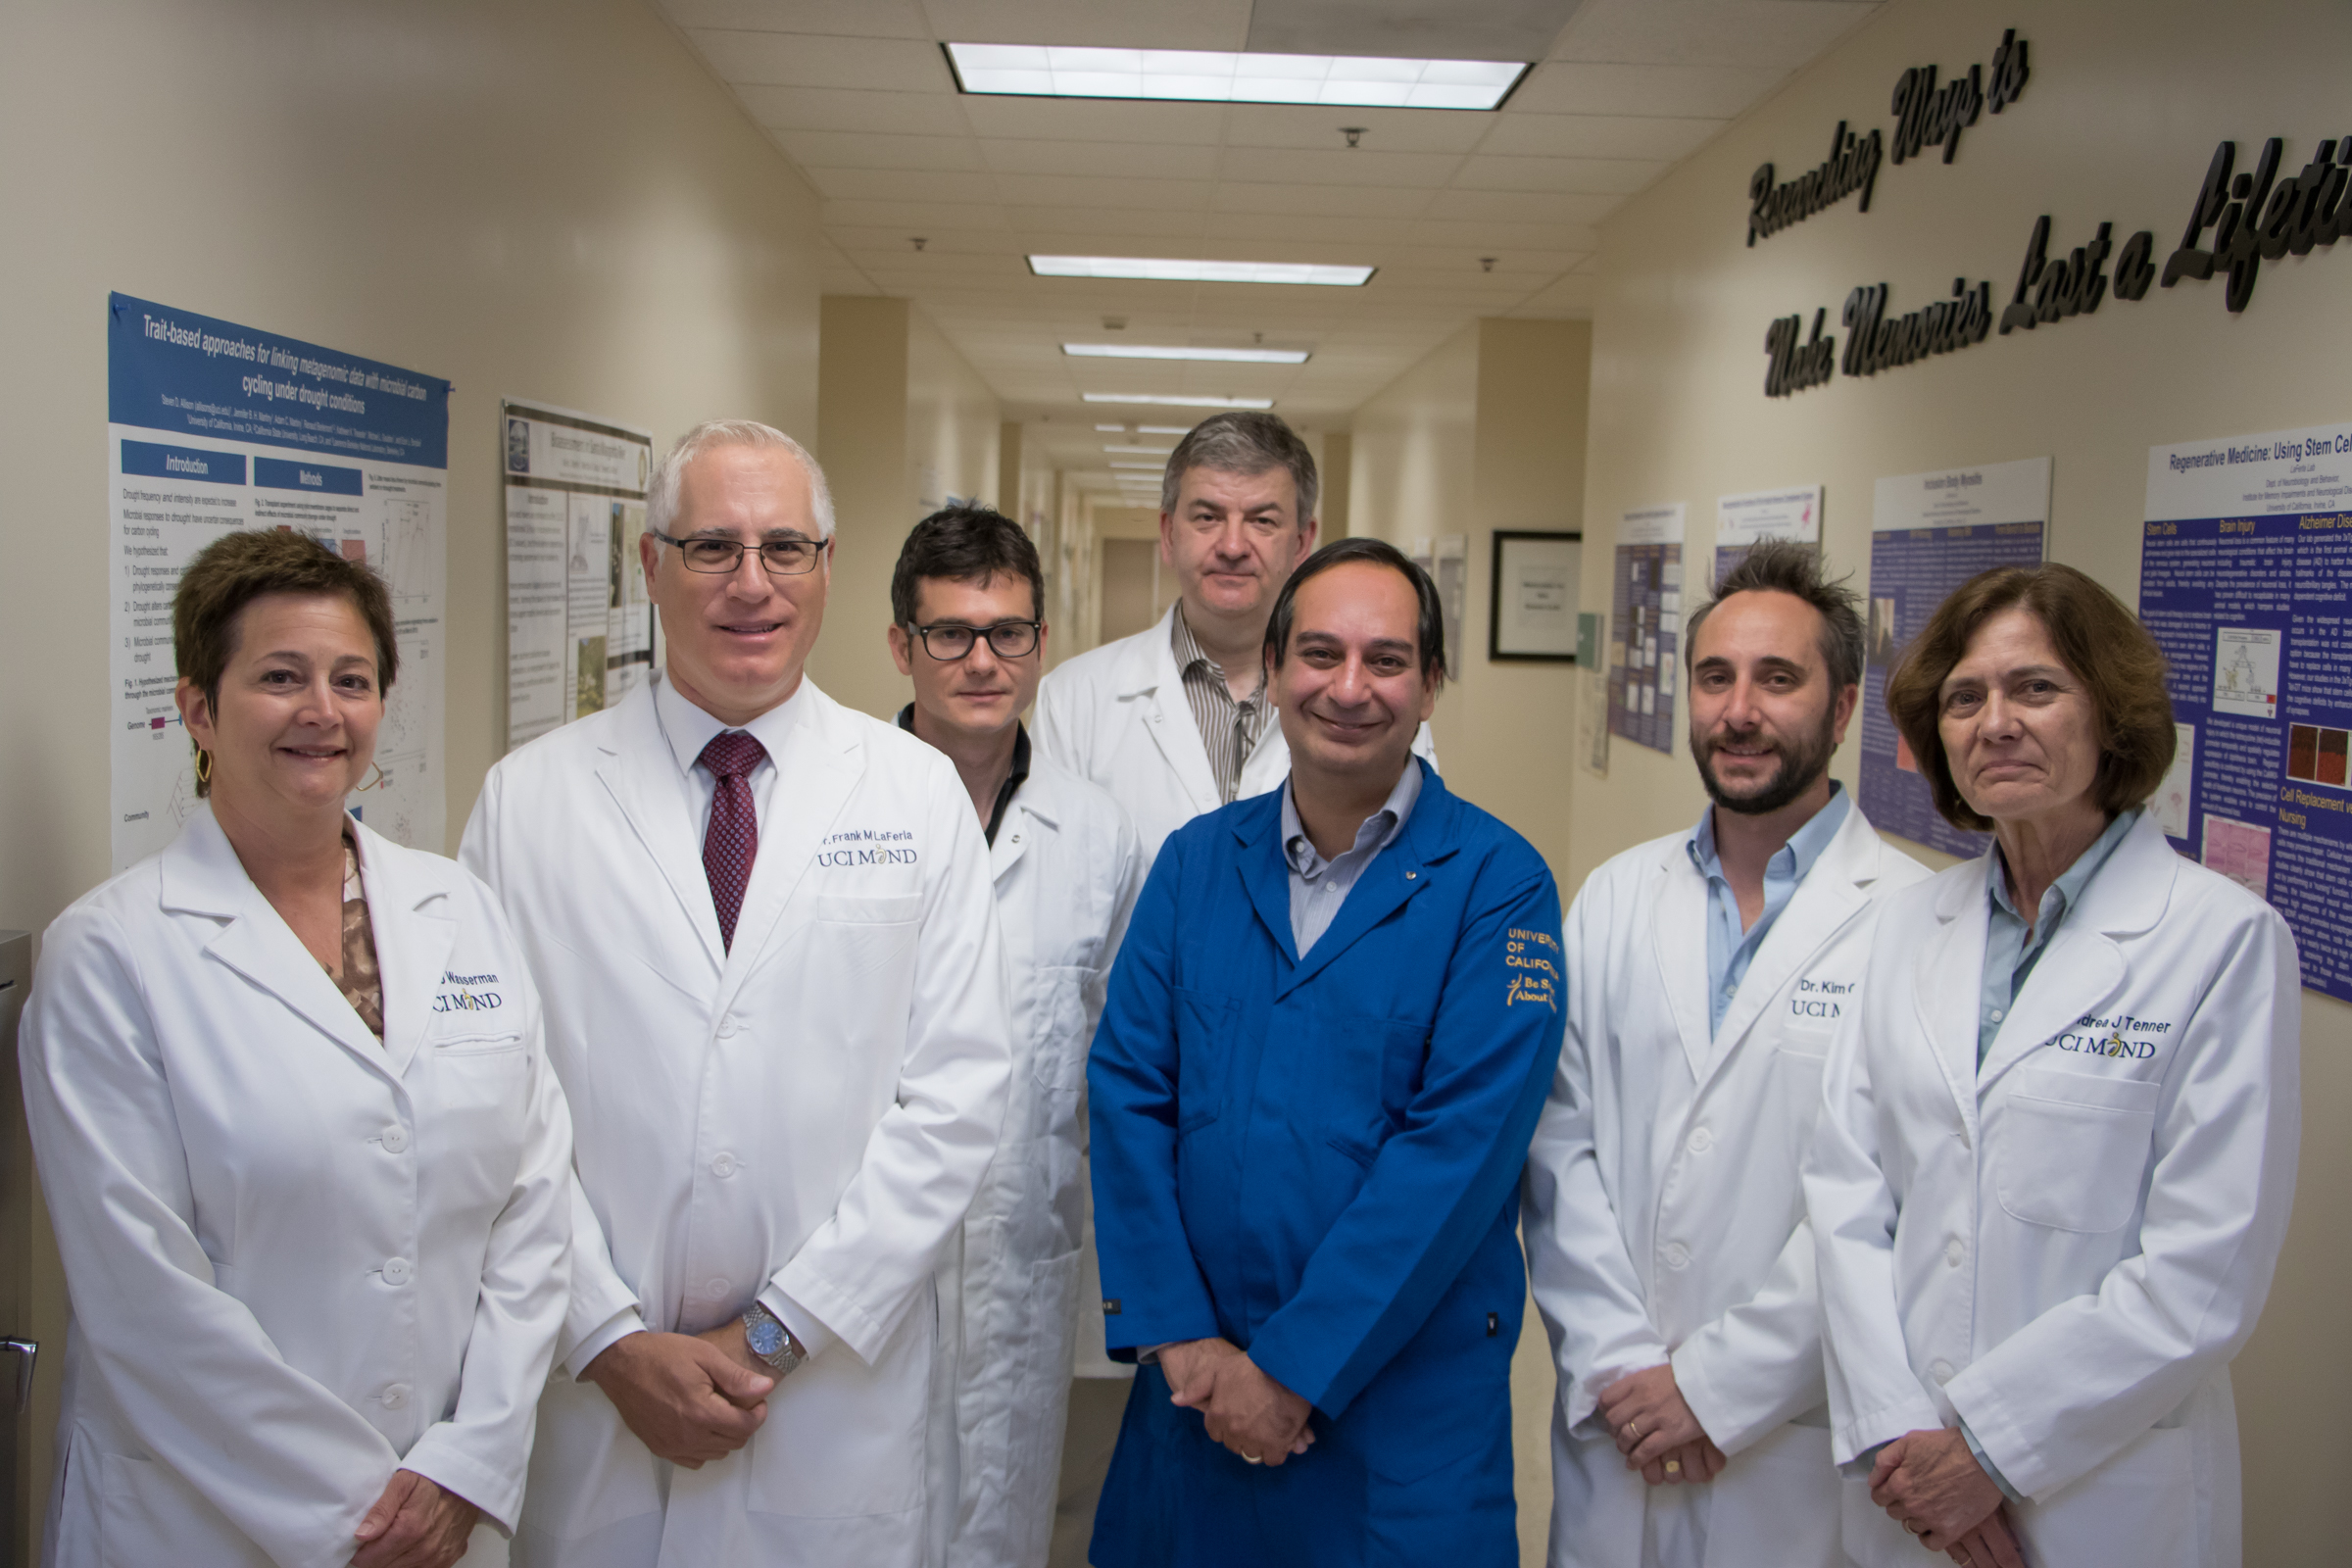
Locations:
(2245, 579)
(1645, 617)
(212, 426)
(1929, 533)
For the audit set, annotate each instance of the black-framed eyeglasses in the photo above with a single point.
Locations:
(1006, 639)
(783, 557)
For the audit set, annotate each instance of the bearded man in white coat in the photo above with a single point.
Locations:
(1665, 1218)
(968, 630)
(776, 997)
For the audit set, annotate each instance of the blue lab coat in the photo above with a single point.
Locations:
(1319, 1161)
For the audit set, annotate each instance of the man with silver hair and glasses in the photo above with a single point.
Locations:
(1665, 1225)
(775, 998)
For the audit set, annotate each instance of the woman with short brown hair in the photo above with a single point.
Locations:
(2058, 1139)
(308, 1167)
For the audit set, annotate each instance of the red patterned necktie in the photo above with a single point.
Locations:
(732, 843)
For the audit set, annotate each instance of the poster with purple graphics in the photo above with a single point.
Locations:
(1929, 533)
(1742, 522)
(2245, 579)
(1646, 623)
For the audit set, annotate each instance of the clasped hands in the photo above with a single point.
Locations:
(1655, 1430)
(1246, 1410)
(689, 1398)
(1930, 1483)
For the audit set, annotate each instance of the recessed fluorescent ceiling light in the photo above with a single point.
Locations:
(1153, 351)
(1159, 269)
(1200, 75)
(1178, 403)
(1149, 468)
(1164, 429)
(1112, 430)
(1148, 452)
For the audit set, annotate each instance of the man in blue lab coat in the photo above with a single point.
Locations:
(1327, 1041)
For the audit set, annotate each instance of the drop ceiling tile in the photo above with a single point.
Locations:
(905, 186)
(843, 149)
(1521, 206)
(1492, 233)
(1303, 167)
(1089, 231)
(910, 217)
(1615, 177)
(810, 60)
(1599, 137)
(938, 237)
(1074, 190)
(1712, 92)
(1120, 160)
(1117, 23)
(1347, 241)
(844, 280)
(864, 19)
(958, 267)
(1573, 297)
(886, 114)
(1507, 259)
(1315, 200)
(1709, 33)
(1387, 130)
(1095, 119)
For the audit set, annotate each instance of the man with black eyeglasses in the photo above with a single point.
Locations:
(968, 628)
(775, 998)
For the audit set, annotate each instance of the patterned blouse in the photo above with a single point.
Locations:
(360, 983)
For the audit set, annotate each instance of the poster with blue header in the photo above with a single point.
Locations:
(212, 426)
(2245, 579)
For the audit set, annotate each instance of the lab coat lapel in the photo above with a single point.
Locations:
(202, 875)
(415, 930)
(1679, 938)
(823, 760)
(642, 776)
(1265, 875)
(1815, 914)
(2084, 967)
(1949, 980)
(1396, 874)
(1159, 694)
(1017, 834)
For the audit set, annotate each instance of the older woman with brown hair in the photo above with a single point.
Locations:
(2057, 1148)
(308, 1167)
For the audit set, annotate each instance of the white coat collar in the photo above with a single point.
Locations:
(408, 914)
(1148, 676)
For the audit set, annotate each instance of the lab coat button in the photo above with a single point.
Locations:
(723, 1166)
(1942, 1371)
(1677, 1255)
(396, 1396)
(1701, 1141)
(1954, 1253)
(397, 1270)
(396, 1139)
(728, 1028)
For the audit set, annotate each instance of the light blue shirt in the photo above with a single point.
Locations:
(1730, 950)
(1318, 887)
(2010, 953)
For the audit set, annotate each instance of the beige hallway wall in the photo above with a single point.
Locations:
(2118, 122)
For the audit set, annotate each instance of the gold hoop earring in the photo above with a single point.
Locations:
(203, 766)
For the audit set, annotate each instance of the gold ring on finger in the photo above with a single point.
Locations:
(1674, 1467)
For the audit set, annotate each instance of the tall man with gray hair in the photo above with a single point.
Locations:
(764, 927)
(1664, 1222)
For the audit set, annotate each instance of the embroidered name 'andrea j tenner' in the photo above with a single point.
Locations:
(2120, 1036)
(464, 993)
(1532, 957)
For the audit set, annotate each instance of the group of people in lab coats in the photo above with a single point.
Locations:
(698, 1171)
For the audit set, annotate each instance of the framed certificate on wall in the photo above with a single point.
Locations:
(1534, 594)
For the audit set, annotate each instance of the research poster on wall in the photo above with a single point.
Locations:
(1929, 533)
(1742, 522)
(1646, 623)
(211, 427)
(2245, 579)
(579, 625)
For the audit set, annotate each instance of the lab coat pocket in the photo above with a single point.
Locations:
(2139, 1508)
(1058, 1050)
(2072, 1150)
(1369, 1068)
(1796, 1068)
(148, 1515)
(476, 1043)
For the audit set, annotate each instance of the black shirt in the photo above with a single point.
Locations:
(1012, 780)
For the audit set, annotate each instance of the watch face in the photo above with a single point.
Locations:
(766, 1336)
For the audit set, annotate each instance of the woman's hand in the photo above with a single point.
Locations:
(415, 1524)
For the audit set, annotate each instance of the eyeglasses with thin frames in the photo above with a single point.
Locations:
(1006, 639)
(783, 557)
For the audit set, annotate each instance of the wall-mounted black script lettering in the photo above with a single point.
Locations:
(1927, 115)
(1875, 342)
(2255, 218)
(1796, 365)
(1852, 165)
(2074, 284)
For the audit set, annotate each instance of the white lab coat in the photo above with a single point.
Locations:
(1116, 716)
(299, 1257)
(1665, 1220)
(1067, 869)
(2066, 1245)
(804, 1118)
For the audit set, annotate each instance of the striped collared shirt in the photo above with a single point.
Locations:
(1229, 729)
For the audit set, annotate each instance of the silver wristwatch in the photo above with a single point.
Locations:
(771, 1341)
